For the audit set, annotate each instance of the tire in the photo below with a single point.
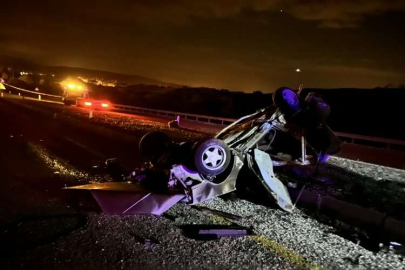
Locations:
(212, 157)
(155, 146)
(286, 100)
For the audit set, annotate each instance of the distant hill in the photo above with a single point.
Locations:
(61, 71)
(16, 63)
(374, 112)
(122, 78)
(197, 100)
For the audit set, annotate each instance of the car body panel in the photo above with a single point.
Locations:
(270, 181)
(127, 198)
(208, 190)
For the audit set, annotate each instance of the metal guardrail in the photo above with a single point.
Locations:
(187, 116)
(345, 137)
(371, 141)
(32, 92)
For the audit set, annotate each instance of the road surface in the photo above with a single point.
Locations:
(45, 148)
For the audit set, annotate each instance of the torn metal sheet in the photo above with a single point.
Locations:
(127, 203)
(208, 190)
(125, 198)
(111, 186)
(271, 182)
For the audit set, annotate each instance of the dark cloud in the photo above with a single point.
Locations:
(343, 13)
(238, 44)
(328, 13)
(333, 13)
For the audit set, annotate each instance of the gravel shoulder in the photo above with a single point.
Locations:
(54, 229)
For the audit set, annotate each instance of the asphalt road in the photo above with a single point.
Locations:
(41, 155)
(45, 148)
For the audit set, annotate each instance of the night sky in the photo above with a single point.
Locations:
(234, 44)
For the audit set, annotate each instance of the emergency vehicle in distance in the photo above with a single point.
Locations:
(76, 93)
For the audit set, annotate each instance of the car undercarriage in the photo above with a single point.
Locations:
(290, 131)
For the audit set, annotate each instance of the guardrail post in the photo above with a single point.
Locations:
(91, 114)
(303, 149)
(19, 94)
(39, 97)
(1, 93)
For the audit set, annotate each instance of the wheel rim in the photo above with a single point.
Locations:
(213, 157)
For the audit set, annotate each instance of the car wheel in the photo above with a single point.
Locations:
(212, 157)
(155, 146)
(287, 100)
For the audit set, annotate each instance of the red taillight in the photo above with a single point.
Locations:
(104, 105)
(87, 103)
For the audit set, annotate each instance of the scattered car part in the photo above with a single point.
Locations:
(127, 198)
(212, 232)
(292, 184)
(173, 124)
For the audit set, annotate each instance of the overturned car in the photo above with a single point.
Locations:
(291, 131)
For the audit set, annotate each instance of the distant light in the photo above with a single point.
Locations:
(72, 86)
(79, 87)
(104, 105)
(281, 10)
(298, 70)
(87, 103)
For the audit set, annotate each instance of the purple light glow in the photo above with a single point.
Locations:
(291, 98)
(324, 158)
